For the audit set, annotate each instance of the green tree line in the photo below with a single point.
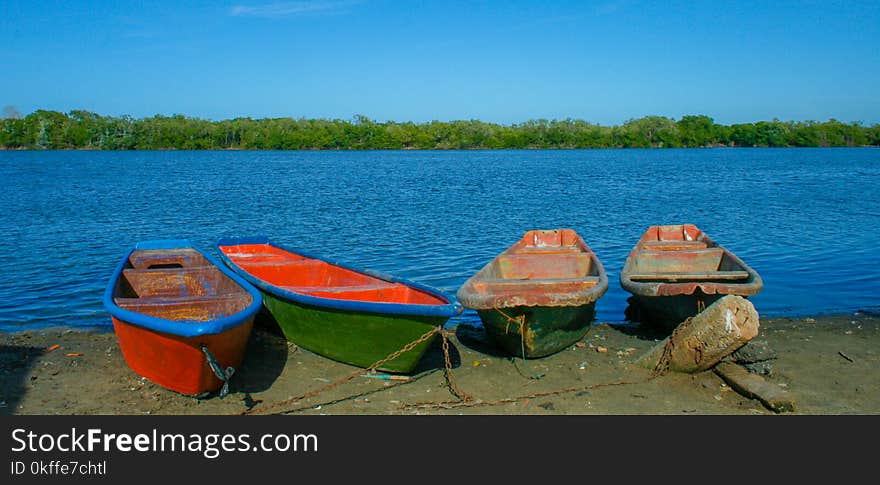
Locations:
(79, 129)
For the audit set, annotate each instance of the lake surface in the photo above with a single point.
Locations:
(807, 220)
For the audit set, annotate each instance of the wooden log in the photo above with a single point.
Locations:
(699, 343)
(754, 386)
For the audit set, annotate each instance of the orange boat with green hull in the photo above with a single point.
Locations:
(675, 271)
(182, 319)
(538, 296)
(354, 316)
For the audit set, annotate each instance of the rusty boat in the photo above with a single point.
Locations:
(354, 316)
(675, 271)
(181, 317)
(538, 296)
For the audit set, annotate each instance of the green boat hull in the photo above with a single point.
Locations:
(356, 338)
(546, 330)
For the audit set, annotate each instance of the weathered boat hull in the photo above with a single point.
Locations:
(357, 317)
(547, 284)
(545, 330)
(174, 309)
(675, 271)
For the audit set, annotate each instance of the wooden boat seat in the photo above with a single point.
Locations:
(542, 285)
(379, 293)
(250, 255)
(196, 308)
(537, 266)
(166, 258)
(673, 245)
(694, 251)
(706, 260)
(178, 282)
(280, 263)
(159, 271)
(513, 281)
(688, 276)
(340, 289)
(545, 250)
(308, 274)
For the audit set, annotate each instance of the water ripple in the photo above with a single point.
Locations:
(806, 219)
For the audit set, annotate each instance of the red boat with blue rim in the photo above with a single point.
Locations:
(181, 317)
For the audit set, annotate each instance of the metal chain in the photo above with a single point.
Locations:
(447, 371)
(470, 402)
(406, 348)
(507, 400)
(464, 400)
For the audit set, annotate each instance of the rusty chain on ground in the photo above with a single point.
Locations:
(470, 402)
(450, 379)
(507, 400)
(465, 400)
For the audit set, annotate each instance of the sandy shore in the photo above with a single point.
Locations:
(829, 364)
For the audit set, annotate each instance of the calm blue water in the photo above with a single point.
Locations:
(806, 219)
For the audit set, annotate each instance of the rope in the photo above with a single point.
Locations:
(223, 375)
(520, 320)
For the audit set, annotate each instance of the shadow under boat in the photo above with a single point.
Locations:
(475, 338)
(666, 312)
(265, 357)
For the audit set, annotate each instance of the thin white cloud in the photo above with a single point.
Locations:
(291, 9)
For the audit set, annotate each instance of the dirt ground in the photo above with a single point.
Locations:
(830, 364)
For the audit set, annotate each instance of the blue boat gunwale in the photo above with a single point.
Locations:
(183, 328)
(448, 310)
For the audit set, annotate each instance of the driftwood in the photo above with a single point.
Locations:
(700, 342)
(755, 387)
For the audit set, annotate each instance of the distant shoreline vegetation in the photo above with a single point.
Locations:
(52, 130)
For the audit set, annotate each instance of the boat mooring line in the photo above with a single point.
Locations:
(521, 323)
(223, 375)
(463, 399)
(508, 400)
(450, 379)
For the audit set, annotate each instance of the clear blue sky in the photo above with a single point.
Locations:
(500, 61)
